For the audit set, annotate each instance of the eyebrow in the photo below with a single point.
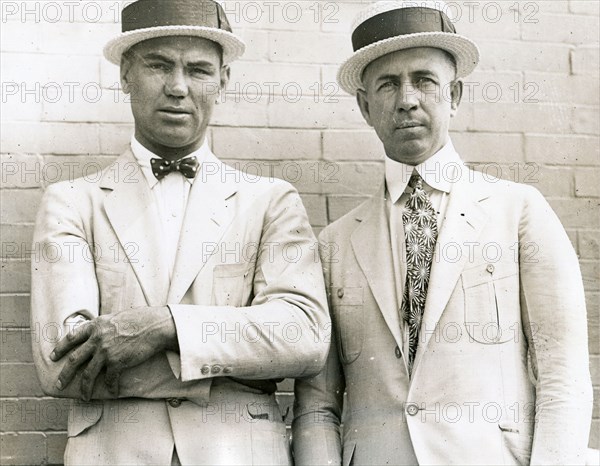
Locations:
(198, 63)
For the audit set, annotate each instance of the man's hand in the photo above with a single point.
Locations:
(115, 342)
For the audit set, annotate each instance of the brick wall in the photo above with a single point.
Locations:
(531, 114)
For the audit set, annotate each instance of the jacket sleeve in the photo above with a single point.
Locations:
(280, 334)
(318, 406)
(64, 290)
(554, 316)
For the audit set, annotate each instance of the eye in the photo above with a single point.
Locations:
(387, 86)
(201, 72)
(425, 82)
(158, 66)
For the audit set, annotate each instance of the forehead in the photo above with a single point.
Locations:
(179, 47)
(410, 60)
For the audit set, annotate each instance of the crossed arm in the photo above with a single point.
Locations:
(122, 353)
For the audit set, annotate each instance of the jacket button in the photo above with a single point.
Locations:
(174, 402)
(205, 370)
(490, 268)
(412, 409)
(398, 352)
(227, 370)
(340, 293)
(216, 369)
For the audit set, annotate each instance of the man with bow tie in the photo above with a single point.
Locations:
(202, 288)
(457, 302)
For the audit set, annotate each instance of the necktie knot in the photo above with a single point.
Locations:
(188, 167)
(416, 182)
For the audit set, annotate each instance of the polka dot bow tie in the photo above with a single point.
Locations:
(188, 167)
(420, 230)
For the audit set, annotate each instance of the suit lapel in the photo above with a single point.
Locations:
(131, 211)
(463, 223)
(373, 250)
(208, 214)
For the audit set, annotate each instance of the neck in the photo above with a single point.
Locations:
(170, 153)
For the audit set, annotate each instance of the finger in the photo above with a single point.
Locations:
(89, 376)
(75, 359)
(111, 379)
(71, 340)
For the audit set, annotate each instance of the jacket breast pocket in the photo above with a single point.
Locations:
(492, 305)
(232, 284)
(349, 320)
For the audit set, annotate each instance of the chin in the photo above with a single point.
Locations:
(409, 153)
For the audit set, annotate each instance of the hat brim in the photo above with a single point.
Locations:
(233, 46)
(463, 49)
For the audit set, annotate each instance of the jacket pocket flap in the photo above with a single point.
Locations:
(483, 273)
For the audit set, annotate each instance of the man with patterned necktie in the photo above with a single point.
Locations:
(460, 332)
(180, 319)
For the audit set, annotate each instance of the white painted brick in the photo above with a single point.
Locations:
(586, 182)
(275, 78)
(109, 75)
(564, 88)
(17, 36)
(307, 113)
(304, 47)
(571, 29)
(519, 56)
(20, 171)
(273, 15)
(115, 138)
(562, 150)
(339, 16)
(77, 38)
(586, 120)
(105, 110)
(352, 145)
(492, 86)
(526, 117)
(584, 7)
(257, 45)
(50, 138)
(241, 111)
(266, 144)
(21, 108)
(586, 60)
(489, 147)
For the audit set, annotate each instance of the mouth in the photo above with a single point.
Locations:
(408, 125)
(174, 111)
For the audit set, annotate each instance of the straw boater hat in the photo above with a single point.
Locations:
(147, 19)
(389, 26)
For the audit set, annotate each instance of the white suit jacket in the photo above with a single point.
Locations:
(501, 373)
(247, 297)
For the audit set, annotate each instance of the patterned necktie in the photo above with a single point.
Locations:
(188, 167)
(420, 231)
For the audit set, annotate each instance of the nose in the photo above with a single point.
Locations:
(176, 84)
(407, 97)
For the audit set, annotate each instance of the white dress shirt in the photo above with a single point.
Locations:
(438, 173)
(170, 195)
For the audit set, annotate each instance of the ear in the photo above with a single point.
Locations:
(225, 75)
(363, 103)
(124, 72)
(456, 92)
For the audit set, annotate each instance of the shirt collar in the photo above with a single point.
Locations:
(438, 171)
(143, 157)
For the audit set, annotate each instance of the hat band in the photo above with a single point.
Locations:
(144, 14)
(400, 22)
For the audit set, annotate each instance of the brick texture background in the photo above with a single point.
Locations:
(531, 114)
